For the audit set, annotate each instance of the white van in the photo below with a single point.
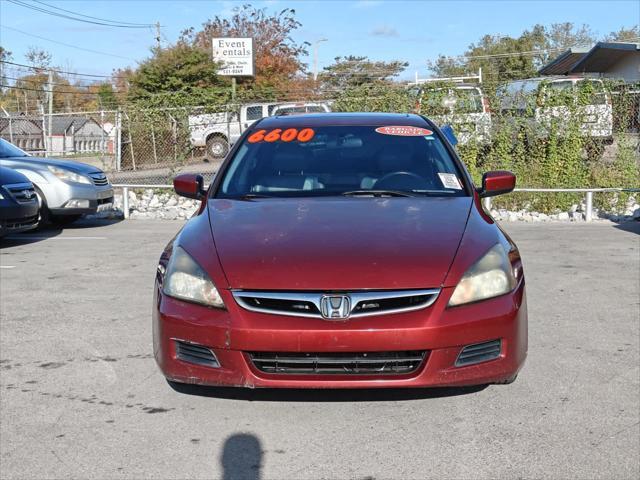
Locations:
(464, 106)
(596, 116)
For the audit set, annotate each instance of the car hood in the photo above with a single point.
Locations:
(337, 244)
(77, 167)
(9, 176)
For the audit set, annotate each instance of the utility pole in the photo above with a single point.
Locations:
(158, 35)
(315, 58)
(50, 98)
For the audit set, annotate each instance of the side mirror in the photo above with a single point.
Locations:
(189, 185)
(496, 183)
(447, 131)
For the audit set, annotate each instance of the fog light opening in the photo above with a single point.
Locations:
(479, 353)
(194, 353)
(77, 203)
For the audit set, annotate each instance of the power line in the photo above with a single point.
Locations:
(62, 72)
(61, 15)
(67, 44)
(41, 90)
(94, 18)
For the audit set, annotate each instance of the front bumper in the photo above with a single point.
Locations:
(59, 194)
(442, 332)
(17, 217)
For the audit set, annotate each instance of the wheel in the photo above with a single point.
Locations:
(217, 146)
(64, 219)
(508, 380)
(44, 213)
(595, 149)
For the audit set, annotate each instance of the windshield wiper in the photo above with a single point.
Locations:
(377, 193)
(251, 196)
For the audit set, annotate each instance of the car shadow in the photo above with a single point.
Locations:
(632, 226)
(31, 236)
(241, 457)
(323, 395)
(91, 223)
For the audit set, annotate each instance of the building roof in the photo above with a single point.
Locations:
(562, 63)
(61, 125)
(597, 59)
(603, 55)
(17, 124)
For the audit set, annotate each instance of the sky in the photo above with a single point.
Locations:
(413, 31)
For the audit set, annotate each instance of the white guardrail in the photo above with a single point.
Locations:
(588, 197)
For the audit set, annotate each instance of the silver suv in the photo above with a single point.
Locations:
(66, 190)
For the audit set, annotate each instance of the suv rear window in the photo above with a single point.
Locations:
(442, 101)
(333, 160)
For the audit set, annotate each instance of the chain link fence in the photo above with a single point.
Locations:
(570, 139)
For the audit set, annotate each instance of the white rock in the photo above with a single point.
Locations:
(172, 202)
(563, 216)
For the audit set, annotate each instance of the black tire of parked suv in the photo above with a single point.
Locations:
(64, 219)
(217, 146)
(45, 214)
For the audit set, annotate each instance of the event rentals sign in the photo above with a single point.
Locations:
(235, 56)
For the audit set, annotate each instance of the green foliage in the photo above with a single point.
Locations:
(502, 57)
(181, 70)
(373, 97)
(353, 71)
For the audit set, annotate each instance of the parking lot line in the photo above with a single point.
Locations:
(43, 237)
(7, 266)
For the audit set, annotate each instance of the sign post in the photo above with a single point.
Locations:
(236, 58)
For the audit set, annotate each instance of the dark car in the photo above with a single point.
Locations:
(18, 203)
(341, 251)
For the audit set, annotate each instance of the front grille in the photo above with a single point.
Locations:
(11, 223)
(356, 304)
(479, 352)
(193, 353)
(99, 179)
(347, 363)
(22, 192)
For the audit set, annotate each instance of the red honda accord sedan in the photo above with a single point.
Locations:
(341, 250)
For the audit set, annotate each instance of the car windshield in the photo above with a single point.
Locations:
(342, 160)
(8, 150)
(299, 109)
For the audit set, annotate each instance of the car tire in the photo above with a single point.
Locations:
(44, 213)
(507, 381)
(217, 146)
(63, 220)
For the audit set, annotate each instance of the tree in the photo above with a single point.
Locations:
(631, 34)
(38, 58)
(352, 71)
(277, 55)
(5, 56)
(179, 69)
(504, 58)
(562, 36)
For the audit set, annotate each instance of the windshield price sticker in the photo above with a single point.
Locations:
(404, 131)
(278, 134)
(449, 180)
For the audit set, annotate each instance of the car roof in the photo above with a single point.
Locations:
(344, 119)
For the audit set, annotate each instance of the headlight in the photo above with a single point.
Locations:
(68, 175)
(489, 277)
(186, 280)
(1, 196)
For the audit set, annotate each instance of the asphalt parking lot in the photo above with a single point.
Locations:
(81, 397)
